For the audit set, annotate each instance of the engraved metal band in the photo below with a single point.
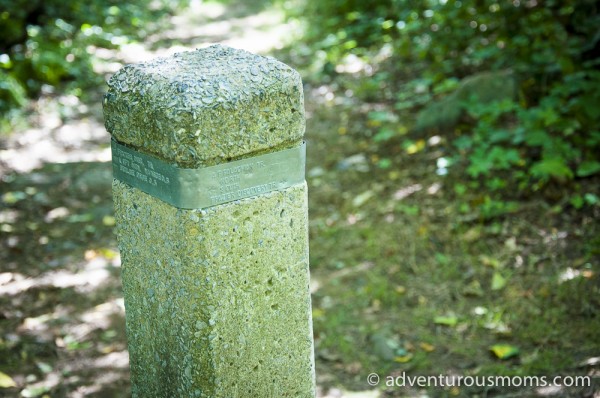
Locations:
(208, 186)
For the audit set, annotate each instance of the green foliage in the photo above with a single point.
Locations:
(12, 94)
(52, 41)
(512, 85)
(480, 88)
(538, 143)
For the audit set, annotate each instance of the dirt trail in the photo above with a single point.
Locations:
(62, 317)
(391, 249)
(66, 130)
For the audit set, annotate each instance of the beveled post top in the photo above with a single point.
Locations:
(205, 107)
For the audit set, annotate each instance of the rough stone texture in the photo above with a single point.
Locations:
(217, 300)
(206, 106)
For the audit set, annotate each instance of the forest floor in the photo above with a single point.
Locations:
(403, 282)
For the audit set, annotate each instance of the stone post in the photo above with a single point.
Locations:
(211, 209)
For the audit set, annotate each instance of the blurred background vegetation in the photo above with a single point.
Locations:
(45, 44)
(512, 85)
(453, 169)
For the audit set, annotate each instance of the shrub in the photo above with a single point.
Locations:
(46, 41)
(539, 125)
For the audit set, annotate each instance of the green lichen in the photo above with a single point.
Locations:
(217, 300)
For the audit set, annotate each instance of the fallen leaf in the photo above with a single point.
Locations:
(403, 359)
(362, 198)
(413, 147)
(504, 351)
(498, 281)
(318, 313)
(6, 381)
(108, 221)
(108, 349)
(400, 289)
(473, 289)
(44, 367)
(427, 347)
(472, 235)
(450, 320)
(34, 391)
(108, 254)
(489, 261)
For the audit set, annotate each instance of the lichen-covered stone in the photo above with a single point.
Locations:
(206, 106)
(217, 300)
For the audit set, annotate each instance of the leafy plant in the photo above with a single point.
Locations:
(48, 42)
(513, 85)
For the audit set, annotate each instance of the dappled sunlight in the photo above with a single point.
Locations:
(79, 140)
(365, 266)
(327, 95)
(83, 137)
(263, 32)
(418, 262)
(434, 188)
(571, 273)
(63, 313)
(352, 64)
(406, 191)
(438, 276)
(98, 318)
(89, 276)
(204, 24)
(338, 393)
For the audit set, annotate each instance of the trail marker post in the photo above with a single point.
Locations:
(211, 209)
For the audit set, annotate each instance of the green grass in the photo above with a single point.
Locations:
(387, 268)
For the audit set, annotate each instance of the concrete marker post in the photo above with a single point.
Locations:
(211, 210)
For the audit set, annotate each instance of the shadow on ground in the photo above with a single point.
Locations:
(402, 280)
(62, 316)
(62, 331)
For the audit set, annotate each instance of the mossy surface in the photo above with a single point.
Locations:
(217, 300)
(206, 106)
